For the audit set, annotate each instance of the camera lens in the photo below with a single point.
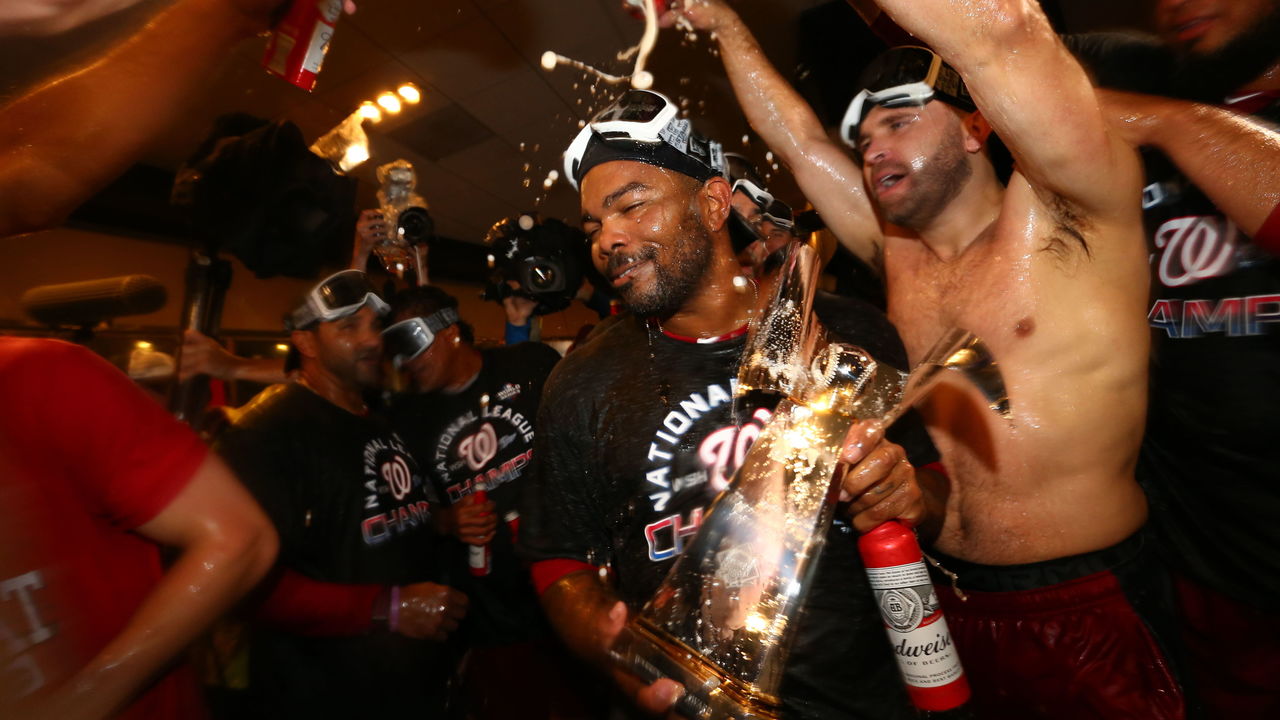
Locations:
(543, 277)
(415, 225)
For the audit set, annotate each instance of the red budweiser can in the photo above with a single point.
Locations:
(636, 7)
(300, 40)
(913, 618)
(479, 557)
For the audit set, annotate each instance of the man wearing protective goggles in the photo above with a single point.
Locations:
(1051, 272)
(638, 430)
(352, 604)
(469, 415)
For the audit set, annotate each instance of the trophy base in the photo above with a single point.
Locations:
(710, 693)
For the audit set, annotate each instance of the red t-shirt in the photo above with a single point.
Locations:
(85, 457)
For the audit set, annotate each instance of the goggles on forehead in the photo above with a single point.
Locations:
(645, 117)
(337, 296)
(758, 195)
(407, 339)
(901, 77)
(779, 213)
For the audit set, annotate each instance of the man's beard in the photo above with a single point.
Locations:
(934, 186)
(1211, 77)
(675, 281)
(353, 374)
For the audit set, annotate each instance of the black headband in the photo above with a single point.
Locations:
(697, 163)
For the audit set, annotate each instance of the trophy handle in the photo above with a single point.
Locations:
(964, 352)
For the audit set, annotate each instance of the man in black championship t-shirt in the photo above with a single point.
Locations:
(639, 430)
(469, 420)
(1210, 458)
(351, 624)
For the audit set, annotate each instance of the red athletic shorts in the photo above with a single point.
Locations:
(1065, 638)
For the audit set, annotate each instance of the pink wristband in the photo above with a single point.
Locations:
(393, 613)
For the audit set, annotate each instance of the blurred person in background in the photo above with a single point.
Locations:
(96, 477)
(354, 618)
(468, 417)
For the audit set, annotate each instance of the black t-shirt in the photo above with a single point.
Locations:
(637, 434)
(485, 434)
(350, 506)
(1210, 459)
(1210, 462)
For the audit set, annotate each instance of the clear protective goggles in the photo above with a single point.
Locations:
(761, 197)
(337, 296)
(780, 214)
(901, 77)
(407, 339)
(641, 116)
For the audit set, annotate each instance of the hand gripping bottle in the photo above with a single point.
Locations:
(913, 618)
(300, 40)
(479, 557)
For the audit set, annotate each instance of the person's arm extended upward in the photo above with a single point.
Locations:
(1035, 95)
(827, 175)
(1235, 161)
(64, 141)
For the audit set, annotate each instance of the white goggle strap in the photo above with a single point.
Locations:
(917, 93)
(573, 155)
(758, 195)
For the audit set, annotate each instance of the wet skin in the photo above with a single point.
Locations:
(1068, 327)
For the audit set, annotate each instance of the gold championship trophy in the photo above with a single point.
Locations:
(721, 622)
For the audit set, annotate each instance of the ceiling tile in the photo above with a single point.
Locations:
(471, 58)
(403, 26)
(442, 133)
(516, 104)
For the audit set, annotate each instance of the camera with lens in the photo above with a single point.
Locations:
(545, 259)
(414, 225)
(404, 210)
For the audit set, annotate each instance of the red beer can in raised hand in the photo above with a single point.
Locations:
(636, 7)
(913, 618)
(300, 40)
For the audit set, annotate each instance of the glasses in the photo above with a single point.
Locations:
(900, 77)
(407, 339)
(641, 116)
(337, 296)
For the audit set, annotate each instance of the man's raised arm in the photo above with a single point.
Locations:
(1233, 159)
(1034, 94)
(829, 178)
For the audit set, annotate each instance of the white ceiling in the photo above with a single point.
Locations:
(488, 108)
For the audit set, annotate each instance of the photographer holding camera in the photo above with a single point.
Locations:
(539, 267)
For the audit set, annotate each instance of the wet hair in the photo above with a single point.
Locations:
(424, 301)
